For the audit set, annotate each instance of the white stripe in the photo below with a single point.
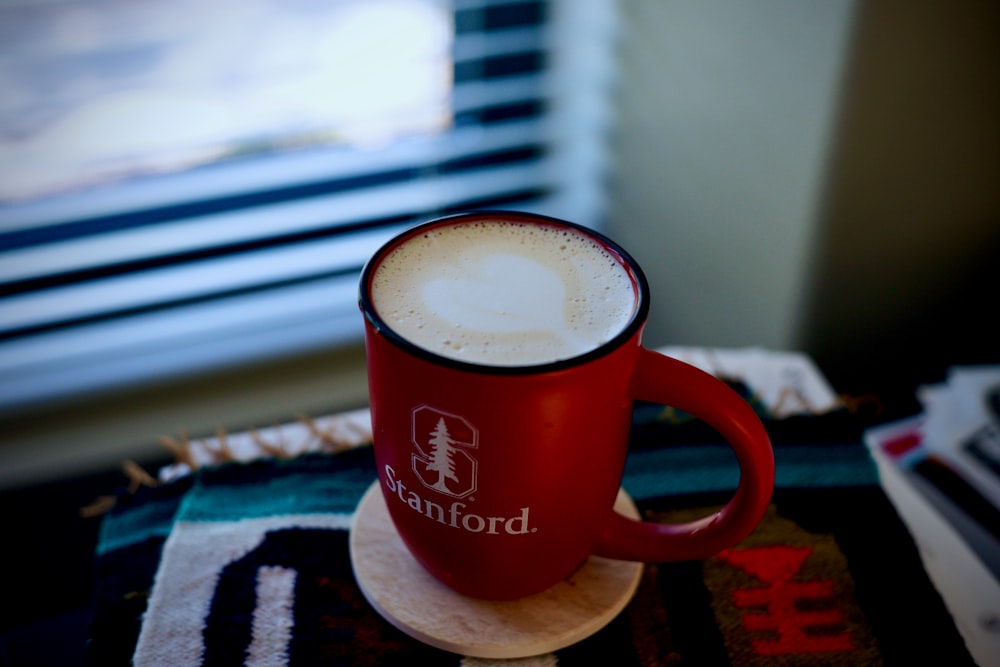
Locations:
(272, 617)
(193, 556)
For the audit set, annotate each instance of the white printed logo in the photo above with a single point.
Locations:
(443, 462)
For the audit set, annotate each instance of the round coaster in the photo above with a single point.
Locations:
(407, 596)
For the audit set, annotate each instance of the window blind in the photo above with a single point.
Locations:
(255, 259)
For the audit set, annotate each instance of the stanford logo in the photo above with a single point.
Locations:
(443, 462)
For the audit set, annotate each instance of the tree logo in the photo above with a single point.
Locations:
(443, 462)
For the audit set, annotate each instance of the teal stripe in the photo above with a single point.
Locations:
(292, 492)
(335, 484)
(710, 468)
(825, 466)
(154, 518)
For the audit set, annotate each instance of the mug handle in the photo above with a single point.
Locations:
(661, 379)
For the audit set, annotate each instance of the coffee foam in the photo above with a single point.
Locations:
(503, 293)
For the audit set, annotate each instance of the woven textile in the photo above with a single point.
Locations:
(247, 563)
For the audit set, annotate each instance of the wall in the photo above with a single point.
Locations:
(819, 176)
(905, 277)
(725, 114)
(96, 434)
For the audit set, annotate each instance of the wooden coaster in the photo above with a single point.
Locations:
(407, 596)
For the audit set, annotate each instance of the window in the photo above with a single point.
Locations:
(186, 186)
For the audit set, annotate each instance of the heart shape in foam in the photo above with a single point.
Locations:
(501, 293)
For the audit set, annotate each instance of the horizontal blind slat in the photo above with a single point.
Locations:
(186, 282)
(506, 146)
(164, 345)
(176, 326)
(471, 52)
(276, 221)
(204, 336)
(190, 279)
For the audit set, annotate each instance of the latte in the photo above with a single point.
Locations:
(503, 293)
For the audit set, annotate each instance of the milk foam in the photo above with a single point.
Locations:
(503, 293)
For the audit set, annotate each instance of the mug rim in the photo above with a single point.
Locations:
(380, 326)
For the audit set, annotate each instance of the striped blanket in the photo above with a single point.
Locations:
(246, 563)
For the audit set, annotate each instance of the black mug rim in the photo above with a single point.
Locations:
(382, 328)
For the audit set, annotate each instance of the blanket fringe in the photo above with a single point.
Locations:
(331, 434)
(137, 477)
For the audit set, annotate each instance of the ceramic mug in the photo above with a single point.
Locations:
(504, 356)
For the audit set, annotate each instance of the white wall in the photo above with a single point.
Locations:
(822, 176)
(725, 115)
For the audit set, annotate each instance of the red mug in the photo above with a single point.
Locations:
(500, 474)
